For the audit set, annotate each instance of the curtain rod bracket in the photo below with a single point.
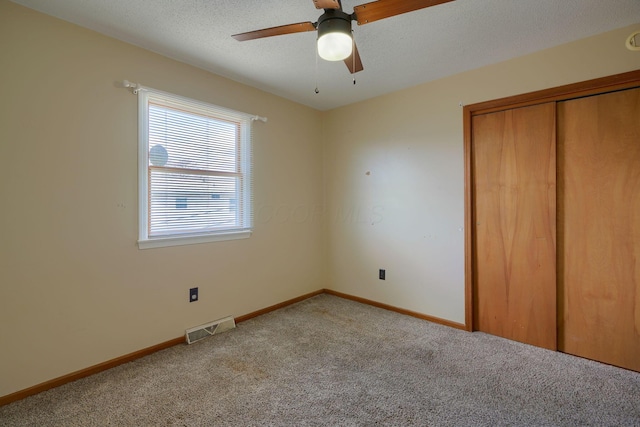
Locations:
(135, 87)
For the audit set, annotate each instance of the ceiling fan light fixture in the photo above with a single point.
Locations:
(334, 36)
(335, 46)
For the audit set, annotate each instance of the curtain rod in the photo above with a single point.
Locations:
(135, 88)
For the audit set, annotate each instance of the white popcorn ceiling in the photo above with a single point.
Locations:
(397, 52)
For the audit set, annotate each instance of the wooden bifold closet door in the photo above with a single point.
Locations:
(599, 231)
(514, 167)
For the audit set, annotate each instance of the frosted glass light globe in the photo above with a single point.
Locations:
(335, 46)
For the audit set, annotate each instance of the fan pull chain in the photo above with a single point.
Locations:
(317, 91)
(353, 57)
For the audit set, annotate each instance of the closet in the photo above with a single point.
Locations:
(553, 219)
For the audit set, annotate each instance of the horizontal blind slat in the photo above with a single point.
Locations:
(194, 171)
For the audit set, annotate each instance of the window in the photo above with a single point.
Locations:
(194, 171)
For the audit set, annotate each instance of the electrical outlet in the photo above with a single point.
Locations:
(381, 274)
(193, 294)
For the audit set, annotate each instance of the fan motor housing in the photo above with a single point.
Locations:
(333, 20)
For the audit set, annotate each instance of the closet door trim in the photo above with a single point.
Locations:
(576, 90)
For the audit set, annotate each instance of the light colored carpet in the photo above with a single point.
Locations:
(332, 362)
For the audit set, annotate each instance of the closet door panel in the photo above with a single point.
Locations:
(514, 193)
(599, 227)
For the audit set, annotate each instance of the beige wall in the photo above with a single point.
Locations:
(74, 288)
(395, 182)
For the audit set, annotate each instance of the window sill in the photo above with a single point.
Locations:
(160, 242)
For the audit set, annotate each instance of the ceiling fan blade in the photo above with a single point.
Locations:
(300, 27)
(327, 4)
(353, 62)
(374, 11)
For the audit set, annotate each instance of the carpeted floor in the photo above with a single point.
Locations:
(332, 362)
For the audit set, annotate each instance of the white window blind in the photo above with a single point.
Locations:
(195, 171)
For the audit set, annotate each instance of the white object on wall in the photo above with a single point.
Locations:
(632, 43)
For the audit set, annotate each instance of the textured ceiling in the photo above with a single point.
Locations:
(397, 52)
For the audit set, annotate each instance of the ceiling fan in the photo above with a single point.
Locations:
(335, 41)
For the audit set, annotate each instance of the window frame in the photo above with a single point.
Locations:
(147, 96)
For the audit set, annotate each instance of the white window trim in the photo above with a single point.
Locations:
(160, 242)
(146, 242)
